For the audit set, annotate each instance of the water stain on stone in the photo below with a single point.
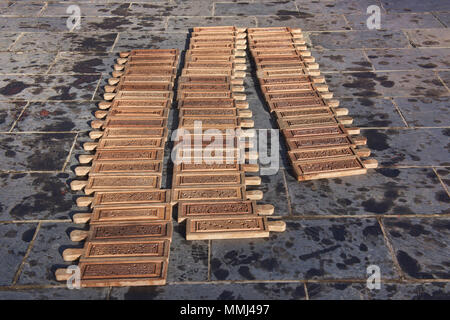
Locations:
(13, 88)
(411, 266)
(376, 140)
(27, 236)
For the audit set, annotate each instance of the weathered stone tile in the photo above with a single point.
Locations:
(334, 7)
(78, 149)
(341, 60)
(128, 41)
(7, 39)
(36, 196)
(75, 62)
(9, 111)
(51, 42)
(88, 9)
(415, 6)
(15, 241)
(182, 8)
(444, 174)
(425, 112)
(46, 254)
(236, 291)
(50, 87)
(421, 246)
(122, 24)
(310, 249)
(36, 152)
(358, 39)
(255, 9)
(445, 76)
(395, 21)
(188, 259)
(444, 17)
(380, 191)
(429, 37)
(372, 112)
(29, 63)
(55, 294)
(46, 24)
(336, 291)
(407, 59)
(273, 187)
(422, 291)
(387, 84)
(22, 8)
(305, 22)
(57, 116)
(182, 24)
(413, 147)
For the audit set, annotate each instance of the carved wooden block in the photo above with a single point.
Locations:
(287, 72)
(142, 95)
(307, 122)
(136, 112)
(324, 153)
(207, 122)
(208, 112)
(121, 182)
(269, 30)
(314, 132)
(130, 143)
(282, 65)
(302, 113)
(213, 71)
(130, 230)
(215, 193)
(307, 100)
(320, 141)
(291, 87)
(204, 87)
(143, 86)
(124, 213)
(145, 78)
(126, 167)
(128, 155)
(295, 79)
(184, 180)
(149, 71)
(130, 197)
(217, 51)
(150, 52)
(207, 103)
(137, 122)
(141, 104)
(134, 132)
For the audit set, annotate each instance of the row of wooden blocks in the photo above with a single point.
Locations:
(212, 188)
(130, 228)
(320, 145)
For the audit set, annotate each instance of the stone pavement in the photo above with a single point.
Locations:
(394, 81)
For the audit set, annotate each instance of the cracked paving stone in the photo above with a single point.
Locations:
(413, 147)
(28, 63)
(35, 25)
(128, 41)
(445, 76)
(36, 196)
(51, 87)
(407, 59)
(182, 24)
(188, 259)
(429, 37)
(444, 173)
(256, 9)
(123, 24)
(380, 191)
(75, 62)
(336, 291)
(415, 6)
(7, 39)
(53, 116)
(372, 112)
(236, 291)
(306, 23)
(310, 249)
(395, 21)
(55, 294)
(88, 9)
(35, 151)
(15, 241)
(313, 8)
(425, 112)
(387, 84)
(341, 60)
(9, 112)
(46, 254)
(444, 17)
(358, 39)
(67, 41)
(421, 246)
(425, 291)
(23, 9)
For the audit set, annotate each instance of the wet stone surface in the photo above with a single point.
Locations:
(28, 63)
(428, 38)
(395, 21)
(9, 112)
(342, 60)
(306, 22)
(330, 249)
(381, 191)
(425, 112)
(421, 246)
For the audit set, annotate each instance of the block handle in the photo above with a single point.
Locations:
(78, 235)
(265, 209)
(277, 226)
(370, 163)
(81, 218)
(72, 254)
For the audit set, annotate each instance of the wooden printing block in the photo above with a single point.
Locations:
(218, 45)
(213, 154)
(208, 87)
(218, 29)
(312, 122)
(124, 213)
(215, 193)
(209, 79)
(231, 228)
(142, 78)
(160, 104)
(139, 95)
(331, 168)
(119, 250)
(309, 100)
(150, 66)
(294, 79)
(226, 33)
(273, 29)
(142, 86)
(110, 198)
(163, 59)
(302, 113)
(292, 87)
(285, 65)
(130, 122)
(223, 132)
(204, 140)
(305, 94)
(101, 168)
(287, 72)
(318, 131)
(209, 103)
(338, 140)
(123, 155)
(211, 95)
(126, 143)
(221, 209)
(210, 58)
(279, 59)
(145, 72)
(327, 152)
(214, 113)
(275, 36)
(206, 122)
(134, 112)
(97, 183)
(215, 65)
(217, 51)
(145, 62)
(183, 180)
(213, 167)
(213, 71)
(208, 40)
(149, 52)
(129, 132)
